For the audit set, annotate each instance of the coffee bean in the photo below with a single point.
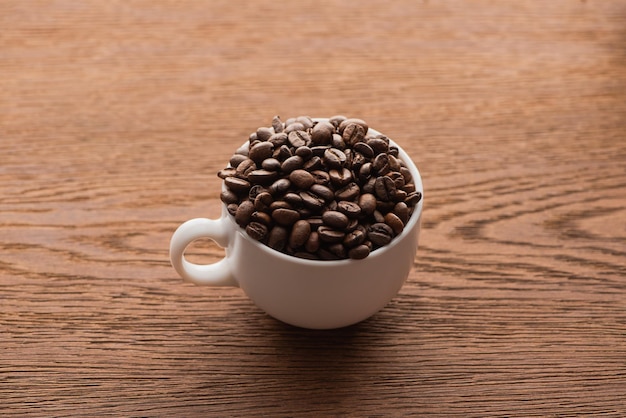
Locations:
(330, 235)
(277, 124)
(378, 145)
(261, 217)
(340, 177)
(306, 121)
(312, 244)
(261, 151)
(228, 196)
(367, 203)
(263, 201)
(321, 177)
(301, 179)
(278, 140)
(256, 230)
(299, 138)
(384, 188)
(292, 163)
(335, 219)
(244, 212)
(278, 237)
(285, 217)
(336, 120)
(312, 201)
(237, 185)
(313, 163)
(348, 192)
(263, 133)
(380, 164)
(359, 252)
(365, 172)
(294, 199)
(292, 127)
(322, 133)
(338, 142)
(337, 250)
(351, 209)
(262, 176)
(401, 210)
(280, 186)
(353, 133)
(394, 222)
(271, 164)
(282, 153)
(299, 233)
(413, 198)
(334, 158)
(380, 234)
(354, 238)
(227, 172)
(322, 191)
(279, 204)
(232, 209)
(349, 121)
(236, 159)
(304, 152)
(363, 149)
(245, 167)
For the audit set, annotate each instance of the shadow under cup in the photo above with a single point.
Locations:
(312, 294)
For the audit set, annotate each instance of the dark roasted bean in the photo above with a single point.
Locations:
(256, 230)
(277, 124)
(278, 140)
(293, 127)
(340, 177)
(261, 151)
(335, 219)
(348, 192)
(255, 191)
(380, 164)
(334, 158)
(271, 164)
(285, 217)
(279, 204)
(262, 176)
(263, 201)
(306, 121)
(402, 211)
(278, 237)
(280, 186)
(338, 142)
(363, 149)
(394, 222)
(354, 238)
(367, 203)
(330, 235)
(312, 201)
(413, 198)
(245, 167)
(236, 159)
(338, 250)
(380, 234)
(313, 163)
(322, 191)
(359, 252)
(353, 133)
(227, 172)
(244, 212)
(321, 177)
(336, 120)
(237, 185)
(299, 138)
(313, 243)
(282, 153)
(351, 209)
(232, 209)
(378, 145)
(322, 133)
(301, 179)
(384, 188)
(304, 152)
(299, 234)
(292, 163)
(349, 121)
(263, 133)
(228, 196)
(294, 199)
(261, 217)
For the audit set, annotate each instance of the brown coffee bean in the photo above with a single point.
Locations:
(280, 186)
(227, 172)
(299, 233)
(260, 151)
(263, 201)
(299, 138)
(304, 152)
(294, 199)
(330, 235)
(312, 201)
(306, 121)
(236, 159)
(292, 163)
(337, 250)
(255, 191)
(262, 176)
(367, 203)
(237, 185)
(340, 177)
(354, 238)
(335, 219)
(232, 209)
(228, 196)
(353, 133)
(278, 140)
(312, 244)
(245, 168)
(380, 164)
(256, 230)
(244, 212)
(285, 217)
(401, 210)
(351, 209)
(363, 149)
(365, 172)
(338, 142)
(277, 238)
(394, 222)
(261, 217)
(348, 192)
(282, 153)
(277, 124)
(322, 191)
(384, 188)
(321, 177)
(315, 222)
(412, 199)
(322, 133)
(378, 145)
(359, 252)
(313, 163)
(301, 179)
(271, 164)
(336, 120)
(349, 121)
(293, 126)
(380, 234)
(263, 133)
(279, 204)
(334, 158)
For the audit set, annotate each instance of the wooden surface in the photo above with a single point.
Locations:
(116, 115)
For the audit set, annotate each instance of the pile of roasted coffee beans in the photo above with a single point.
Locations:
(322, 190)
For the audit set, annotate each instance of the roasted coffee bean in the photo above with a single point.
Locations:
(245, 167)
(271, 164)
(313, 163)
(312, 201)
(322, 191)
(402, 211)
(262, 176)
(321, 177)
(294, 199)
(315, 221)
(255, 191)
(363, 149)
(263, 133)
(261, 217)
(279, 204)
(228, 196)
(260, 151)
(282, 153)
(354, 238)
(380, 234)
(263, 201)
(413, 198)
(384, 206)
(277, 124)
(394, 163)
(299, 138)
(380, 164)
(340, 177)
(278, 237)
(365, 172)
(306, 121)
(394, 222)
(336, 120)
(237, 185)
(227, 172)
(312, 244)
(349, 121)
(351, 209)
(367, 203)
(378, 145)
(368, 187)
(334, 158)
(335, 219)
(301, 179)
(304, 152)
(278, 140)
(232, 209)
(338, 250)
(236, 159)
(256, 230)
(280, 186)
(285, 217)
(330, 235)
(292, 127)
(353, 133)
(244, 212)
(348, 192)
(338, 142)
(398, 179)
(408, 177)
(299, 234)
(384, 188)
(378, 217)
(322, 133)
(319, 150)
(292, 163)
(359, 252)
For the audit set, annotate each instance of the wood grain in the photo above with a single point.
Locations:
(115, 117)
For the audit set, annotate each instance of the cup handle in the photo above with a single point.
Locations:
(216, 274)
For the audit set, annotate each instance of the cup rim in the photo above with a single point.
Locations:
(379, 252)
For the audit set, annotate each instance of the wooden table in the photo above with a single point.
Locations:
(115, 117)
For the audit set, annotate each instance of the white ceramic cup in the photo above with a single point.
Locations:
(306, 293)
